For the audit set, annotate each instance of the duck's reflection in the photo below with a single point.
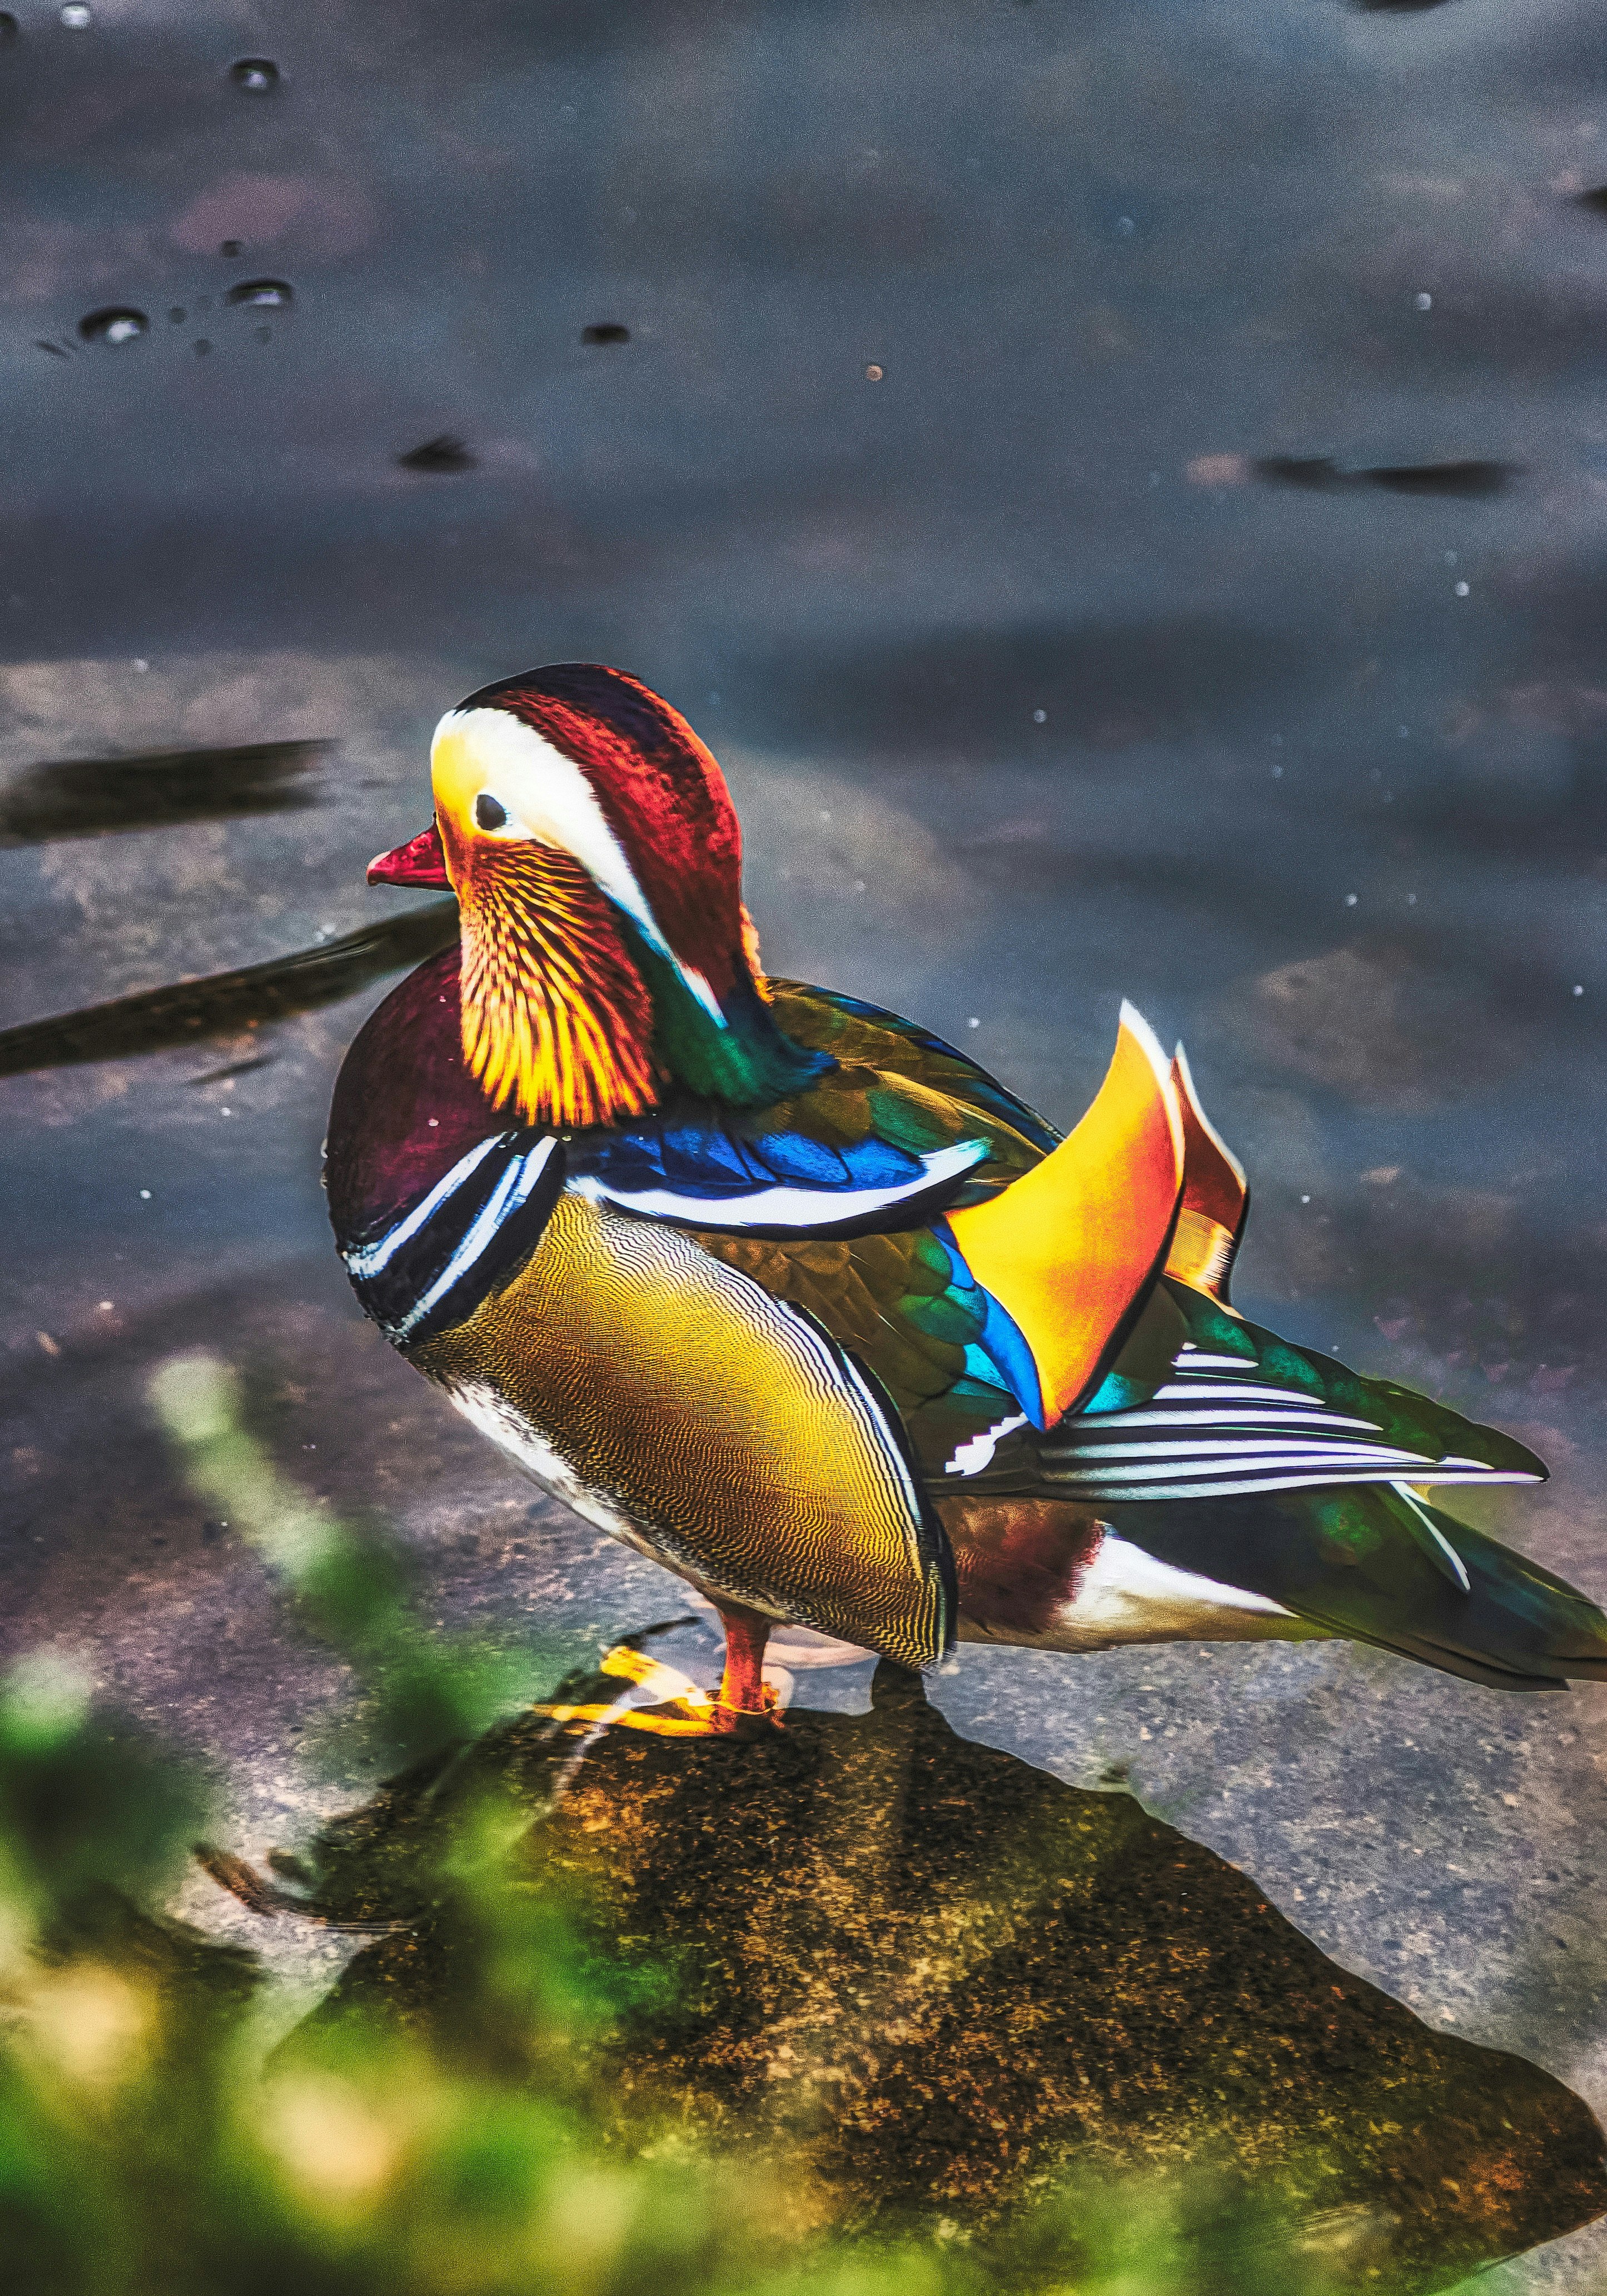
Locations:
(945, 1980)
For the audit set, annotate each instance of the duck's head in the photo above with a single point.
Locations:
(596, 854)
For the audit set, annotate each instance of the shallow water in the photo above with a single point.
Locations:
(1044, 673)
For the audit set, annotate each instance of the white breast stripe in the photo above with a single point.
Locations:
(374, 1257)
(511, 1191)
(785, 1207)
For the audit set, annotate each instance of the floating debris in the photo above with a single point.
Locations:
(225, 1003)
(90, 796)
(55, 350)
(257, 75)
(610, 331)
(117, 324)
(1467, 479)
(235, 1068)
(77, 17)
(232, 248)
(263, 294)
(442, 456)
(1464, 478)
(10, 30)
(202, 347)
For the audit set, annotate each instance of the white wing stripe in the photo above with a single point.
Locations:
(786, 1207)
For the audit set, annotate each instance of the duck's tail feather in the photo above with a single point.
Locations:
(1374, 1564)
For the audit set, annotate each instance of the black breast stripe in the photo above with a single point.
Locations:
(434, 1266)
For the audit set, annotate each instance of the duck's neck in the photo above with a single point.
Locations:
(743, 1058)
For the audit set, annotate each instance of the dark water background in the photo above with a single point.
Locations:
(1129, 636)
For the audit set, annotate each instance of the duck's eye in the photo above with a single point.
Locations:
(488, 813)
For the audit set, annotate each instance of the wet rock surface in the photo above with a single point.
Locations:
(944, 1984)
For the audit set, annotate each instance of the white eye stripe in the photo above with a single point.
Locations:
(546, 795)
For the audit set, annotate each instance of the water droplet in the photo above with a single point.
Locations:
(1422, 302)
(1462, 589)
(1040, 717)
(113, 325)
(232, 248)
(202, 347)
(608, 331)
(257, 75)
(77, 17)
(266, 294)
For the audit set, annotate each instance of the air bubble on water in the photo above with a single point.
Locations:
(261, 294)
(1126, 225)
(1040, 717)
(1411, 900)
(1422, 302)
(257, 75)
(1278, 773)
(115, 325)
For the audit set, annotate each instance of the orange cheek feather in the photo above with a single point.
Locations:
(557, 1019)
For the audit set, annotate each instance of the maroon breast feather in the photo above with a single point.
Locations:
(406, 1108)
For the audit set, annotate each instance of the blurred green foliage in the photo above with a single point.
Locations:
(146, 2146)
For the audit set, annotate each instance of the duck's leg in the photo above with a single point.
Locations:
(744, 1698)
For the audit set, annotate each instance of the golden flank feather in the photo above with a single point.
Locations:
(556, 1020)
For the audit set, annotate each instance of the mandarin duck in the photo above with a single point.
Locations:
(798, 1299)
